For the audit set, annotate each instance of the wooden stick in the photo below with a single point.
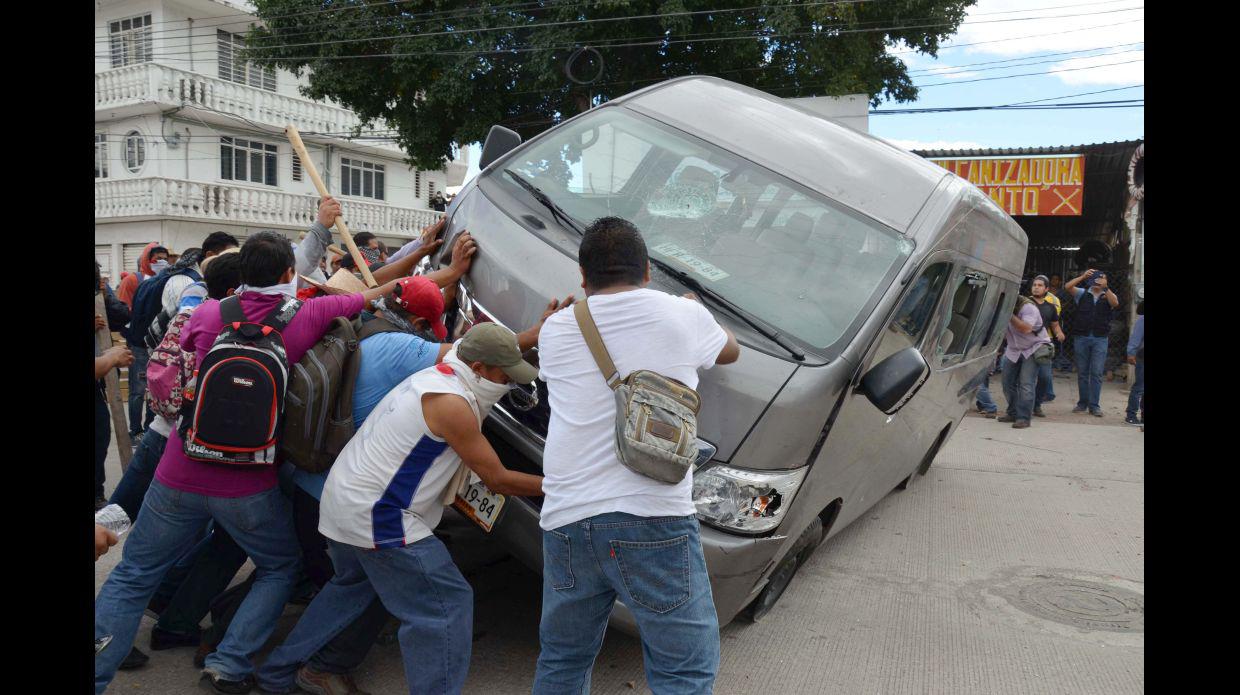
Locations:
(113, 383)
(335, 250)
(307, 165)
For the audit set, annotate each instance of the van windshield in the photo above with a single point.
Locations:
(795, 259)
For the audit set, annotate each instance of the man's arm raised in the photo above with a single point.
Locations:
(449, 417)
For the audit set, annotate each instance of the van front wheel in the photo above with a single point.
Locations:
(782, 576)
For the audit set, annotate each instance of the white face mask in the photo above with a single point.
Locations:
(486, 392)
(288, 289)
(158, 266)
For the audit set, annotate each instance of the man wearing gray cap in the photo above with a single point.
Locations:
(383, 497)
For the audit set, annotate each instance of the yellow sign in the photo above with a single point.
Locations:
(1026, 185)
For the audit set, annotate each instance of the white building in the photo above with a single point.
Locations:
(189, 140)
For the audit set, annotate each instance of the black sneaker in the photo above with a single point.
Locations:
(1038, 412)
(1096, 412)
(216, 683)
(989, 414)
(1005, 418)
(167, 639)
(135, 659)
(1079, 409)
(1020, 424)
(1133, 420)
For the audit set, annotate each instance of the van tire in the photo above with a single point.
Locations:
(924, 467)
(783, 574)
(904, 483)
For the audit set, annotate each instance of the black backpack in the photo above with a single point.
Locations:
(318, 420)
(234, 413)
(148, 302)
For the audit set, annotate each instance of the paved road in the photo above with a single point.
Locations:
(920, 595)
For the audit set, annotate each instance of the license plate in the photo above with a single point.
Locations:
(477, 502)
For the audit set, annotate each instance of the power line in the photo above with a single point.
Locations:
(942, 68)
(661, 41)
(1028, 74)
(1122, 103)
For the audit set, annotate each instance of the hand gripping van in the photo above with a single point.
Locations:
(869, 290)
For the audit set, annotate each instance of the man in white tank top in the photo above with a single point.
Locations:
(383, 497)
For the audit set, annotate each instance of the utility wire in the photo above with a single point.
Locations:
(823, 32)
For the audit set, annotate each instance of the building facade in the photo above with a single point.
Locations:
(189, 140)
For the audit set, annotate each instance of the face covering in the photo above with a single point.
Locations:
(485, 392)
(159, 266)
(288, 289)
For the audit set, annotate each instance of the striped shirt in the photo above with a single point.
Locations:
(386, 488)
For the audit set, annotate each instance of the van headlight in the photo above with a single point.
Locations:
(743, 500)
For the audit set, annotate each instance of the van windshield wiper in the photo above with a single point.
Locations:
(753, 321)
(537, 194)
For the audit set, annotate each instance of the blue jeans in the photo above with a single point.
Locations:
(419, 584)
(1091, 356)
(168, 525)
(137, 386)
(656, 567)
(1137, 394)
(1019, 381)
(137, 478)
(1044, 391)
(985, 403)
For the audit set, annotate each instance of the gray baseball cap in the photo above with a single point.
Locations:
(496, 346)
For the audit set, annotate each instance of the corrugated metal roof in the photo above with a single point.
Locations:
(1096, 148)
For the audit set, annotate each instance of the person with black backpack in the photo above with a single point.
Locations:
(220, 463)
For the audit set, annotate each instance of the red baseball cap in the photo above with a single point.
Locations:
(421, 297)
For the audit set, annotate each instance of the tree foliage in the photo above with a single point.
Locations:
(444, 71)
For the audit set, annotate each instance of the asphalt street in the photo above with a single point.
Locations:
(1015, 566)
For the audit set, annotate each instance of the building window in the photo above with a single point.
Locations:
(417, 184)
(234, 69)
(361, 178)
(135, 151)
(130, 40)
(296, 167)
(246, 160)
(101, 155)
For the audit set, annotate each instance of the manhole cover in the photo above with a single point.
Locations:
(1080, 603)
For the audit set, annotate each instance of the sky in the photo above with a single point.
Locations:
(1029, 36)
(950, 71)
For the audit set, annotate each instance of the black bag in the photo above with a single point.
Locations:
(148, 303)
(318, 421)
(233, 413)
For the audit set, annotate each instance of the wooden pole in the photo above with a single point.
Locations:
(307, 165)
(113, 383)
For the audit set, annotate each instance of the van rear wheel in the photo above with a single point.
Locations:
(782, 576)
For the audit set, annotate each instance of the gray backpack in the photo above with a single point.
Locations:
(656, 417)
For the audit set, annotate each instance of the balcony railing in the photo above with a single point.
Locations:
(160, 197)
(151, 82)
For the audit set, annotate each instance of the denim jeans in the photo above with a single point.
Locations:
(985, 403)
(137, 386)
(1019, 381)
(1044, 391)
(212, 568)
(419, 584)
(656, 567)
(103, 438)
(1136, 396)
(137, 478)
(166, 528)
(1091, 356)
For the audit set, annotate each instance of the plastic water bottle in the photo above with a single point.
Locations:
(113, 518)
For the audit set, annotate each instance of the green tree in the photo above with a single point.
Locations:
(444, 71)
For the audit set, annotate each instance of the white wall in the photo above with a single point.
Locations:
(852, 110)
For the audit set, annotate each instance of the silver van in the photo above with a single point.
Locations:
(869, 290)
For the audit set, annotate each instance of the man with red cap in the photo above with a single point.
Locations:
(405, 336)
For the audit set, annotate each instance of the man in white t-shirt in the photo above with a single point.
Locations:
(608, 532)
(384, 495)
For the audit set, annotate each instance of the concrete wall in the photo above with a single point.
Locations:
(851, 110)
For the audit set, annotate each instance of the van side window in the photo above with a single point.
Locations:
(981, 328)
(993, 329)
(909, 323)
(965, 309)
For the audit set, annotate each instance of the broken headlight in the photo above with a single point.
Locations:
(742, 500)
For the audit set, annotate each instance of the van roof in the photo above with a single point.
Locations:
(863, 172)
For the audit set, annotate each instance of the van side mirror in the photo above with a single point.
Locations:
(499, 142)
(892, 382)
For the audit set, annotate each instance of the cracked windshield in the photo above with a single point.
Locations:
(790, 257)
